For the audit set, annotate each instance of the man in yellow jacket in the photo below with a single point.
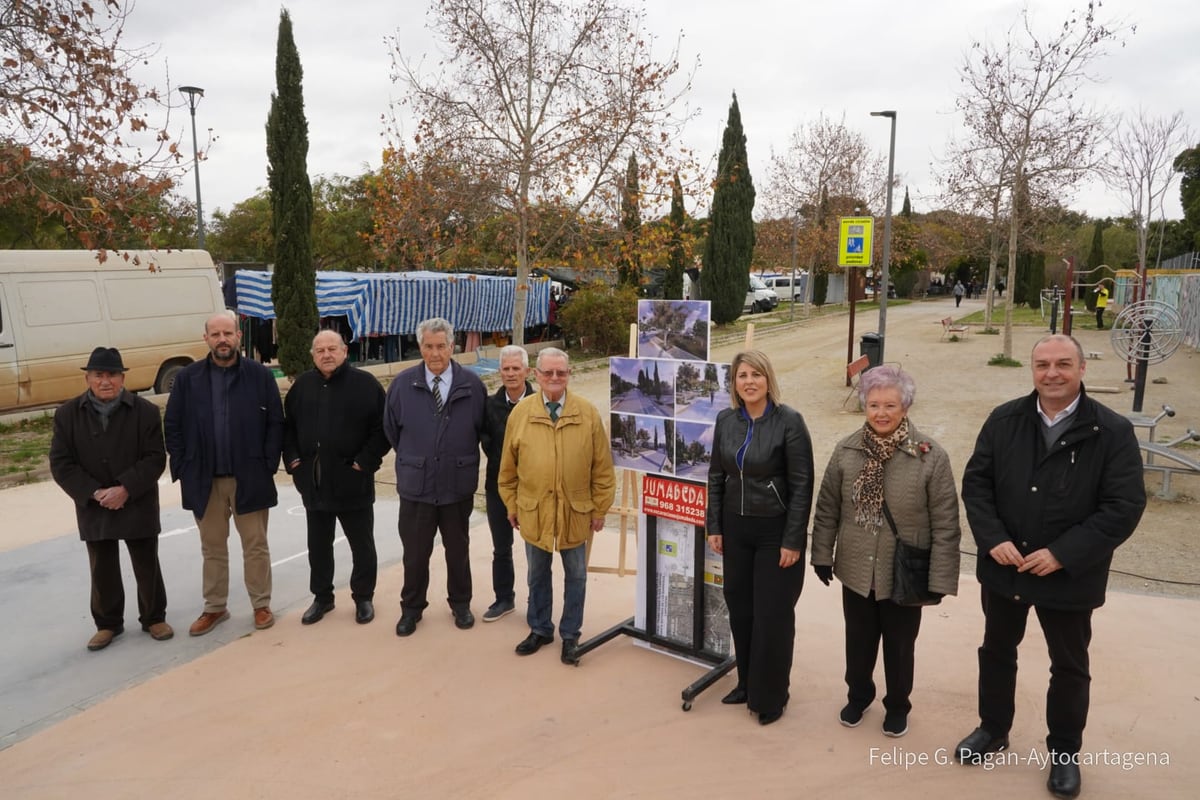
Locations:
(557, 484)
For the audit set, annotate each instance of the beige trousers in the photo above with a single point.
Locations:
(214, 545)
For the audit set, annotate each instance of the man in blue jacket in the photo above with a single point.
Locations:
(1053, 488)
(433, 419)
(224, 434)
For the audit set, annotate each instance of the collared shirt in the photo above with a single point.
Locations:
(447, 377)
(219, 380)
(1066, 412)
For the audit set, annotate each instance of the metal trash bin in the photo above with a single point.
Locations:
(871, 345)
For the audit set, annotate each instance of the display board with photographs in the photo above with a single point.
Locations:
(674, 329)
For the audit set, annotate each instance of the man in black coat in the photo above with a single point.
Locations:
(107, 453)
(1053, 488)
(514, 368)
(333, 444)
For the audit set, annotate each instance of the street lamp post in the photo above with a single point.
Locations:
(193, 95)
(882, 293)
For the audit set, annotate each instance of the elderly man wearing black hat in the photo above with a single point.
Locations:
(107, 454)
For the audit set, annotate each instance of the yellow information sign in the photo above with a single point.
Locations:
(855, 236)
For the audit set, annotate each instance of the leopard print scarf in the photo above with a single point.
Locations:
(868, 486)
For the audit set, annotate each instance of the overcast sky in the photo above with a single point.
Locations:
(788, 61)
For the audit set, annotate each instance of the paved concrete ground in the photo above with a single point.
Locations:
(350, 711)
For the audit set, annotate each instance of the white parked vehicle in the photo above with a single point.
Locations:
(56, 306)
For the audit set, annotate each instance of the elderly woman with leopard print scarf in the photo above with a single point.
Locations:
(888, 461)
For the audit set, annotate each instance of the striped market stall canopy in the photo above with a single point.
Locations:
(381, 304)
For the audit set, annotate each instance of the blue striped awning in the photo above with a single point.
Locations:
(379, 304)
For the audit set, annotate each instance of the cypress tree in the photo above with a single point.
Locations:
(1095, 259)
(730, 245)
(629, 266)
(293, 289)
(676, 254)
(906, 209)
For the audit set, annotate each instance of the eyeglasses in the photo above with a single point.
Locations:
(555, 373)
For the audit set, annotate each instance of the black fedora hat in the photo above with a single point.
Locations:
(105, 359)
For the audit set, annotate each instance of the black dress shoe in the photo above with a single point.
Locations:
(767, 717)
(736, 697)
(532, 643)
(316, 612)
(1064, 780)
(978, 744)
(570, 652)
(364, 611)
(463, 618)
(407, 624)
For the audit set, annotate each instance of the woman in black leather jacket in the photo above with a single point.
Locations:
(760, 488)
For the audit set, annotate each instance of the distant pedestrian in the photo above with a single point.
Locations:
(959, 291)
(107, 454)
(1101, 305)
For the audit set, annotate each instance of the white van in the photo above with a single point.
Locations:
(783, 286)
(56, 306)
(760, 297)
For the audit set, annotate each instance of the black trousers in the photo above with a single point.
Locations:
(108, 591)
(1068, 634)
(503, 575)
(359, 527)
(419, 523)
(868, 621)
(761, 597)
(1099, 317)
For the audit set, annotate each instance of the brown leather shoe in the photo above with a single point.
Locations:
(207, 621)
(263, 618)
(160, 631)
(102, 639)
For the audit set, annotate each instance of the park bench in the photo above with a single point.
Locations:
(952, 328)
(853, 370)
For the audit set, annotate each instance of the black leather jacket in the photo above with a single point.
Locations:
(776, 476)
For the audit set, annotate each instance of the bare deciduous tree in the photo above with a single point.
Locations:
(1020, 102)
(1141, 167)
(826, 170)
(542, 98)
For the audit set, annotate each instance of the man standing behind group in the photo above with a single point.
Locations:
(107, 454)
(433, 419)
(1053, 488)
(333, 444)
(557, 482)
(514, 368)
(224, 432)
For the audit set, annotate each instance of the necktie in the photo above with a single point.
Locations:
(437, 393)
(553, 407)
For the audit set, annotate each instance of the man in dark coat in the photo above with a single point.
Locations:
(107, 453)
(333, 444)
(433, 419)
(224, 433)
(1053, 488)
(514, 367)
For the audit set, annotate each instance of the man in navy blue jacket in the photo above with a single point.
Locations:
(433, 420)
(1053, 488)
(224, 433)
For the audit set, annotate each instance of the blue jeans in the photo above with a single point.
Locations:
(541, 591)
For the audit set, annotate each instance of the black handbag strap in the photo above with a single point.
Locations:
(891, 522)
